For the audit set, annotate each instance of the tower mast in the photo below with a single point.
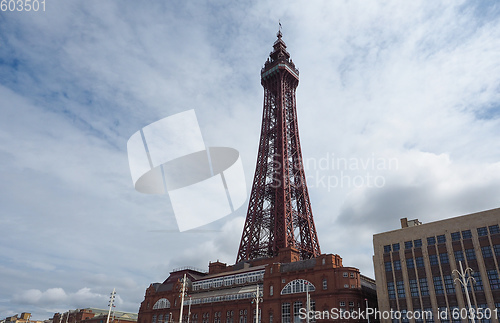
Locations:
(279, 211)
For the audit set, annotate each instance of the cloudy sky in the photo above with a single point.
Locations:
(398, 107)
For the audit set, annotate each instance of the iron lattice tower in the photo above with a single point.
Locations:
(279, 211)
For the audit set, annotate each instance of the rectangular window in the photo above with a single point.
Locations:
(400, 286)
(433, 259)
(484, 306)
(449, 284)
(431, 241)
(493, 278)
(459, 255)
(418, 313)
(342, 304)
(351, 304)
(456, 318)
(478, 285)
(413, 288)
(417, 243)
(486, 251)
(408, 244)
(390, 290)
(441, 238)
(466, 234)
(345, 274)
(424, 288)
(494, 229)
(470, 254)
(296, 308)
(443, 257)
(455, 236)
(438, 285)
(496, 249)
(482, 231)
(404, 318)
(444, 310)
(271, 290)
(410, 263)
(420, 262)
(428, 315)
(395, 247)
(388, 266)
(325, 284)
(285, 313)
(387, 248)
(397, 265)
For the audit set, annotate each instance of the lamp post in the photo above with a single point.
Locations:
(257, 299)
(189, 308)
(367, 316)
(464, 281)
(111, 302)
(308, 301)
(183, 291)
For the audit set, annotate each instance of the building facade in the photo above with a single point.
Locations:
(227, 293)
(416, 267)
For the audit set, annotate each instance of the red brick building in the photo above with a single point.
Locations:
(225, 293)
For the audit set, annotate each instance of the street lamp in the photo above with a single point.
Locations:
(111, 304)
(464, 281)
(308, 301)
(189, 308)
(183, 292)
(367, 316)
(257, 299)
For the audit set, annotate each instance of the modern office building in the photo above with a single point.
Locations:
(416, 267)
(279, 254)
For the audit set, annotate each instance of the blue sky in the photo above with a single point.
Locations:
(412, 82)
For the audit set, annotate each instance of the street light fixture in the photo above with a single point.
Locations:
(183, 292)
(257, 299)
(111, 303)
(464, 281)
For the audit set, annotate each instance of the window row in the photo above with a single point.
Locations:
(229, 280)
(442, 285)
(455, 236)
(220, 298)
(434, 260)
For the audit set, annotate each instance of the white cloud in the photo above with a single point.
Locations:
(36, 297)
(414, 81)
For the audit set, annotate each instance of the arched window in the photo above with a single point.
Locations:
(297, 286)
(161, 303)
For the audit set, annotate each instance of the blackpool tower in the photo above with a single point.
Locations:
(279, 212)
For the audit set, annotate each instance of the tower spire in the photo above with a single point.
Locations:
(279, 212)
